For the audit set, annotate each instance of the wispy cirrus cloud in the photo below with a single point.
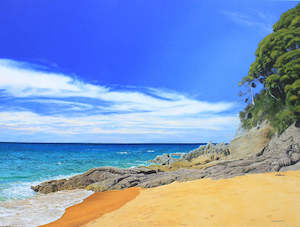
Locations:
(251, 18)
(59, 104)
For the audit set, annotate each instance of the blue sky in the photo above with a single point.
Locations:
(127, 71)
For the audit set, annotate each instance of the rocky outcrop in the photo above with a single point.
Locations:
(250, 141)
(100, 179)
(286, 149)
(280, 154)
(167, 159)
(109, 178)
(197, 158)
(220, 149)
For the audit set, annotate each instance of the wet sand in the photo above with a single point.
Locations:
(253, 200)
(94, 207)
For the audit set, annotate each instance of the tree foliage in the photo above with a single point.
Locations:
(277, 68)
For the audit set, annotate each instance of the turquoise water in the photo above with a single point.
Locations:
(23, 165)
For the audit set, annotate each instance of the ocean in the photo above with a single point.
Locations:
(24, 164)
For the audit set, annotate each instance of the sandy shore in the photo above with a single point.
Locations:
(269, 199)
(94, 207)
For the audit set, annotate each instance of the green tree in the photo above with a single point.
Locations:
(277, 68)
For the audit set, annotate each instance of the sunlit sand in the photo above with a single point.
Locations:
(269, 199)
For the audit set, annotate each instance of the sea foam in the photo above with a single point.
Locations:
(40, 209)
(22, 190)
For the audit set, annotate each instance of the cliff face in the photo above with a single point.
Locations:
(283, 149)
(287, 148)
(245, 145)
(251, 142)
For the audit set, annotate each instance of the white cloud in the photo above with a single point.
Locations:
(24, 82)
(154, 111)
(68, 104)
(133, 123)
(21, 81)
(253, 18)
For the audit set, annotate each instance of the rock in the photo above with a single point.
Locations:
(158, 181)
(280, 154)
(166, 159)
(106, 184)
(250, 141)
(289, 168)
(100, 179)
(220, 149)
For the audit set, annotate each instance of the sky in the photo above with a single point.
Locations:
(135, 71)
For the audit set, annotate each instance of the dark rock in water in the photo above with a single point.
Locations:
(280, 154)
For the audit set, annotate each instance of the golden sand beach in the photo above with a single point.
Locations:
(269, 199)
(94, 207)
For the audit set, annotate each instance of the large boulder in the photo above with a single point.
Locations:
(250, 141)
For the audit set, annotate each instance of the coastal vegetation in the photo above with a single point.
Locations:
(277, 70)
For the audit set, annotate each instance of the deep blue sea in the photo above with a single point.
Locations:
(23, 165)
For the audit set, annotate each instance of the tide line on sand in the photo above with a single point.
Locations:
(94, 207)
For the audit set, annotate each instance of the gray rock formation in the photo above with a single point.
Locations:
(219, 149)
(280, 154)
(167, 159)
(250, 142)
(103, 178)
(109, 178)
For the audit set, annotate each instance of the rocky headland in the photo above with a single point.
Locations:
(252, 152)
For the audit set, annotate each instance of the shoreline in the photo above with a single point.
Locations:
(39, 209)
(94, 207)
(268, 199)
(208, 162)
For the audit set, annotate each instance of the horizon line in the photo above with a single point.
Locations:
(94, 143)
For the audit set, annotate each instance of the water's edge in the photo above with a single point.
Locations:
(40, 209)
(23, 207)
